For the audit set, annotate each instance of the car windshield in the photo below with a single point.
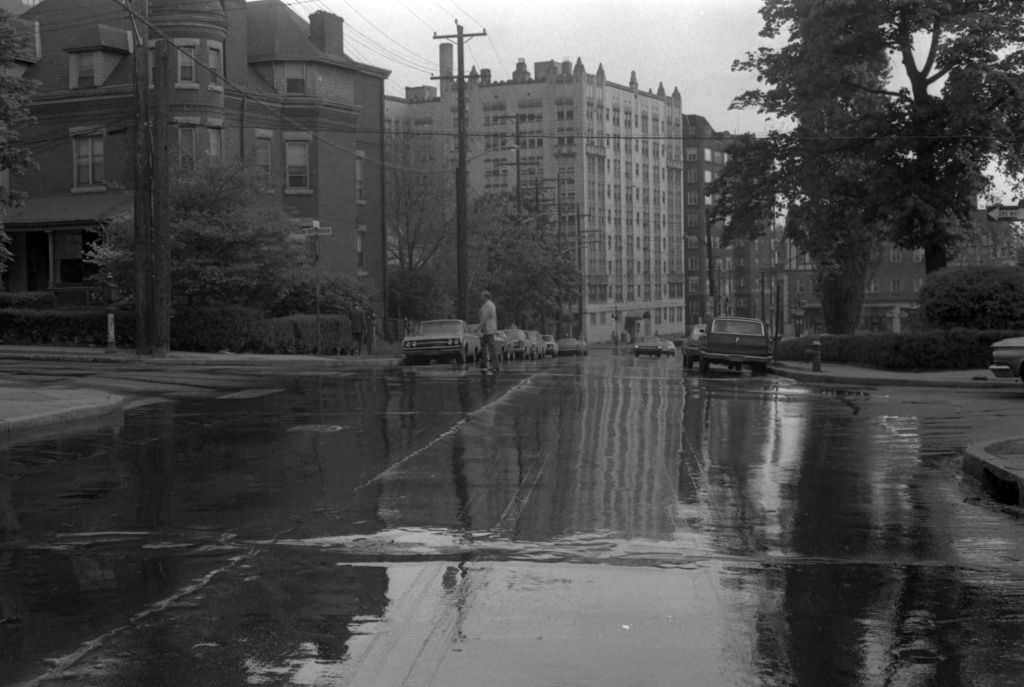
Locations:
(742, 327)
(548, 337)
(449, 327)
(515, 333)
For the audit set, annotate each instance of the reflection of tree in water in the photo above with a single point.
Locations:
(259, 623)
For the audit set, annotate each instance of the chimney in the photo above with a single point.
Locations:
(485, 77)
(327, 31)
(446, 59)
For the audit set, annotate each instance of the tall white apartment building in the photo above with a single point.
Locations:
(606, 160)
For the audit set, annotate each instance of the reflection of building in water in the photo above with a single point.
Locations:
(618, 462)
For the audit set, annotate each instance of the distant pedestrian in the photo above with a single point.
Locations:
(356, 317)
(490, 359)
(370, 332)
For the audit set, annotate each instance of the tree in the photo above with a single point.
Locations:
(228, 245)
(531, 271)
(817, 173)
(420, 200)
(15, 98)
(928, 142)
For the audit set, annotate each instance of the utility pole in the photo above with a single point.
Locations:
(143, 177)
(161, 248)
(152, 248)
(461, 219)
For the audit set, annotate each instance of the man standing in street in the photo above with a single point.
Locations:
(488, 328)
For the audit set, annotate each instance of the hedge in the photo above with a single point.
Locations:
(947, 349)
(236, 329)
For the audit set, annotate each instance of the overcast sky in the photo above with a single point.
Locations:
(689, 44)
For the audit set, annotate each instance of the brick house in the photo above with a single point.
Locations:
(246, 81)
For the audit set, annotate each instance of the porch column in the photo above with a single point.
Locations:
(49, 260)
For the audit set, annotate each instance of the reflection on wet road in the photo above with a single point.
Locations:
(604, 521)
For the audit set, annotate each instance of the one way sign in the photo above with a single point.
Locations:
(1005, 214)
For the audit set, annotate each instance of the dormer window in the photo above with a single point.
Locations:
(94, 53)
(83, 69)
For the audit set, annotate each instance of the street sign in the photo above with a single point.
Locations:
(315, 229)
(1005, 214)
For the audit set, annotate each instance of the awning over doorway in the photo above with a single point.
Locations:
(83, 209)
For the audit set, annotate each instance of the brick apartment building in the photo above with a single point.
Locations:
(246, 81)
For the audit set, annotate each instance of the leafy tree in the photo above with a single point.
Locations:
(531, 270)
(818, 172)
(947, 105)
(418, 295)
(15, 98)
(228, 246)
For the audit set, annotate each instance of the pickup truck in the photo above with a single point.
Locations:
(736, 341)
(441, 340)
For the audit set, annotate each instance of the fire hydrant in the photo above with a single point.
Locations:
(815, 351)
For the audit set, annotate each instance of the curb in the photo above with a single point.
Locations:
(1003, 483)
(178, 358)
(52, 421)
(810, 377)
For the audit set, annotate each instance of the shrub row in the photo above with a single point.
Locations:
(948, 349)
(32, 300)
(235, 329)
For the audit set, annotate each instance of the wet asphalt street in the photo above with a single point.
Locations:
(601, 521)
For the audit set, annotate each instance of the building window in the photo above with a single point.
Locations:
(187, 147)
(295, 77)
(186, 64)
(691, 154)
(297, 164)
(896, 286)
(88, 160)
(360, 171)
(693, 284)
(361, 247)
(215, 61)
(263, 159)
(216, 151)
(691, 198)
(895, 255)
(83, 70)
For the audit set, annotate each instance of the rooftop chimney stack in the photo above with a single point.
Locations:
(327, 31)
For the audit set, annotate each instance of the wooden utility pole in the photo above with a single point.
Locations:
(152, 247)
(143, 178)
(461, 212)
(161, 250)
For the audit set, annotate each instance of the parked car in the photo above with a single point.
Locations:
(736, 341)
(648, 345)
(550, 345)
(691, 344)
(440, 340)
(504, 347)
(570, 345)
(518, 343)
(668, 348)
(1008, 358)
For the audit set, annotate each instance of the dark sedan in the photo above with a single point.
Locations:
(570, 345)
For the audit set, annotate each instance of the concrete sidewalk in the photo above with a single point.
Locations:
(999, 465)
